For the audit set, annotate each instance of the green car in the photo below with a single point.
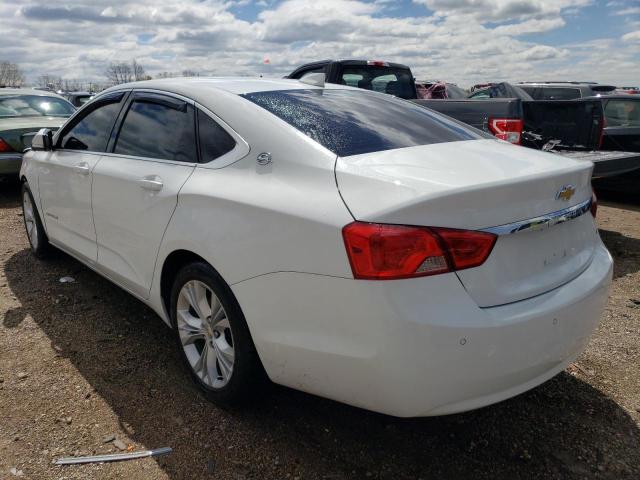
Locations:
(22, 113)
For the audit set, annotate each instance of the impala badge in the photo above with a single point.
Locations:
(566, 192)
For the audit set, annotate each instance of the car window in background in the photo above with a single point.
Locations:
(309, 72)
(351, 122)
(214, 140)
(158, 130)
(394, 81)
(481, 94)
(622, 113)
(557, 93)
(93, 130)
(34, 106)
(455, 92)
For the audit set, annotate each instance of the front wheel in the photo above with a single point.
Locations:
(35, 231)
(213, 336)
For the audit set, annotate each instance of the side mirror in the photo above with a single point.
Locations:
(43, 140)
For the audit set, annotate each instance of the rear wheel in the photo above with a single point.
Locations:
(35, 231)
(213, 336)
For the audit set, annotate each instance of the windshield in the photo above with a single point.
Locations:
(352, 122)
(34, 106)
(383, 79)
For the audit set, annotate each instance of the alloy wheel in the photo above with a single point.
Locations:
(205, 334)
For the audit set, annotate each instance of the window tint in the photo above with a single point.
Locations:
(394, 81)
(351, 122)
(558, 93)
(622, 113)
(214, 140)
(158, 129)
(34, 106)
(92, 132)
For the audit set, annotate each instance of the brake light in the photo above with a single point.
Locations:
(5, 147)
(377, 63)
(384, 252)
(508, 129)
(594, 204)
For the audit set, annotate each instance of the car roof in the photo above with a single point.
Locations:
(235, 85)
(615, 96)
(28, 91)
(566, 84)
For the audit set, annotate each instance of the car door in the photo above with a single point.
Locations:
(65, 176)
(136, 185)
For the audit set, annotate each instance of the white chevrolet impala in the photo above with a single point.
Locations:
(342, 242)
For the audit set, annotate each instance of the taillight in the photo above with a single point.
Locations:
(508, 129)
(594, 204)
(377, 63)
(5, 147)
(384, 252)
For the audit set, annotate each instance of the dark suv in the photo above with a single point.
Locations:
(565, 90)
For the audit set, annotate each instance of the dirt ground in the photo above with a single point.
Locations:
(83, 362)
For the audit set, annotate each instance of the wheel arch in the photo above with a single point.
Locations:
(170, 268)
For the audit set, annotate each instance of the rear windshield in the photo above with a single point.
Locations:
(34, 106)
(394, 81)
(351, 122)
(622, 113)
(557, 93)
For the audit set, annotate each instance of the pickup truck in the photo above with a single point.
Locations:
(571, 128)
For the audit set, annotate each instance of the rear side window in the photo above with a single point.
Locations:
(158, 129)
(93, 130)
(352, 122)
(622, 113)
(214, 140)
(558, 93)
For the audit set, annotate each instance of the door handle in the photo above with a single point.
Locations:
(82, 168)
(152, 182)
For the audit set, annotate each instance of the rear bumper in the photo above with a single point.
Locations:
(10, 163)
(417, 347)
(607, 163)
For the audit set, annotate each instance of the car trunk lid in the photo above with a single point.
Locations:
(477, 185)
(18, 132)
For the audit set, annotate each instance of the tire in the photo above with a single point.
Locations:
(225, 331)
(36, 235)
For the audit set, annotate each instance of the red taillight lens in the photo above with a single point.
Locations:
(467, 248)
(506, 129)
(5, 147)
(384, 252)
(594, 204)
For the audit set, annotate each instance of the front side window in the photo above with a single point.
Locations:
(157, 128)
(622, 113)
(214, 140)
(93, 130)
(34, 106)
(352, 122)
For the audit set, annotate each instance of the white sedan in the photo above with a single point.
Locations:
(339, 241)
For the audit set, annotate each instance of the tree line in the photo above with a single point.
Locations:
(11, 75)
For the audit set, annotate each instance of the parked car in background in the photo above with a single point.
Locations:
(438, 90)
(565, 90)
(349, 243)
(23, 112)
(622, 132)
(499, 90)
(78, 98)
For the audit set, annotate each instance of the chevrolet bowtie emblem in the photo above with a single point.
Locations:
(566, 192)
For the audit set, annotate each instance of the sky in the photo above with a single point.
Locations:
(460, 41)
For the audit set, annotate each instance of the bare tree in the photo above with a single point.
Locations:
(52, 82)
(10, 74)
(119, 73)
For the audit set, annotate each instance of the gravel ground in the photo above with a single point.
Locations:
(83, 362)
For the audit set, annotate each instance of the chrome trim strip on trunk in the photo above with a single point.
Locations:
(542, 222)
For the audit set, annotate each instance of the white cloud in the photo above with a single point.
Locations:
(78, 39)
(631, 36)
